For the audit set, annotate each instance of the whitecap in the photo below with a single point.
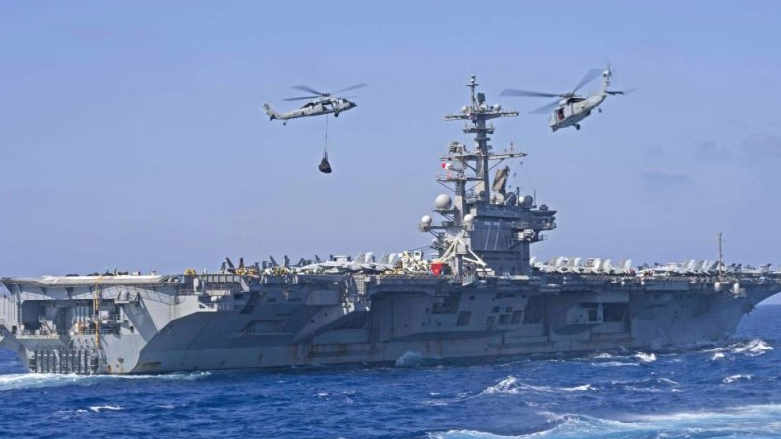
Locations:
(507, 385)
(41, 380)
(613, 364)
(603, 355)
(758, 421)
(409, 359)
(753, 348)
(511, 385)
(646, 358)
(582, 388)
(748, 421)
(733, 378)
(717, 356)
(99, 408)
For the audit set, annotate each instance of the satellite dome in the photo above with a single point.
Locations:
(425, 223)
(469, 219)
(527, 201)
(443, 202)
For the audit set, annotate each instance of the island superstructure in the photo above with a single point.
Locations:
(481, 296)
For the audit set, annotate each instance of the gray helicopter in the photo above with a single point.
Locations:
(571, 108)
(320, 103)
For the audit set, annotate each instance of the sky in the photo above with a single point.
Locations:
(131, 134)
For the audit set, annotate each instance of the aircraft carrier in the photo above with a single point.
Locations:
(482, 295)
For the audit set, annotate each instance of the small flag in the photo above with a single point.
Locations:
(446, 165)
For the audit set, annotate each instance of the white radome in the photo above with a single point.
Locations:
(443, 202)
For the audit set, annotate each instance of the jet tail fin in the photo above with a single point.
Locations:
(270, 112)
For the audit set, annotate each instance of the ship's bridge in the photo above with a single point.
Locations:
(484, 225)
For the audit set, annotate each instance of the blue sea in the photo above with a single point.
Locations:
(732, 390)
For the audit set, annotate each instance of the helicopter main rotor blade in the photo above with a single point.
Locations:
(534, 94)
(310, 90)
(353, 87)
(590, 76)
(545, 108)
(301, 98)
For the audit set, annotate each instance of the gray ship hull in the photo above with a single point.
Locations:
(344, 319)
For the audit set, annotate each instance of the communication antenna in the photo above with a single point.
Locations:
(721, 255)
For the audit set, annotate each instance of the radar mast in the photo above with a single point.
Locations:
(484, 227)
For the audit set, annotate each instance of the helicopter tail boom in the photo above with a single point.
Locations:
(270, 111)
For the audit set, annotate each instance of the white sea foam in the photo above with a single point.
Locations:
(602, 356)
(507, 385)
(43, 380)
(613, 364)
(761, 421)
(409, 359)
(717, 356)
(646, 358)
(100, 408)
(733, 378)
(753, 348)
(582, 388)
(512, 386)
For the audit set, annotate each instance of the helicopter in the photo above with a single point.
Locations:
(320, 103)
(571, 108)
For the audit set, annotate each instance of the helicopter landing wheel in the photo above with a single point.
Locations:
(336, 114)
(599, 109)
(577, 126)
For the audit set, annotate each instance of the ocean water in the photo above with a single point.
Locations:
(732, 390)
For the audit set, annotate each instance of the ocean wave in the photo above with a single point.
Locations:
(645, 358)
(42, 380)
(100, 408)
(753, 348)
(582, 388)
(614, 364)
(602, 356)
(759, 420)
(733, 378)
(410, 359)
(510, 385)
